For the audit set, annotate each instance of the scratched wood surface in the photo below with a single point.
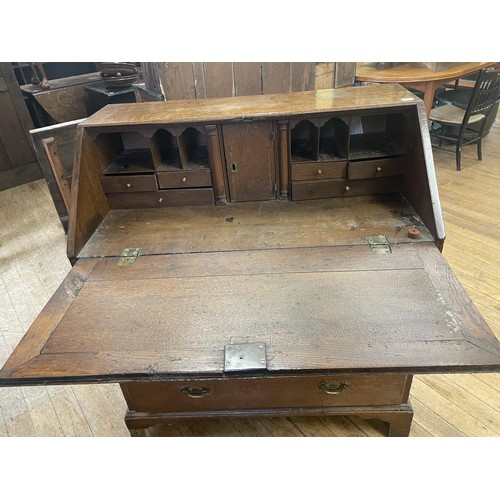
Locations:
(33, 263)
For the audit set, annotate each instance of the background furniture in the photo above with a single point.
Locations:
(417, 76)
(453, 123)
(64, 136)
(321, 294)
(198, 80)
(18, 163)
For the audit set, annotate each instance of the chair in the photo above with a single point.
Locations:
(467, 126)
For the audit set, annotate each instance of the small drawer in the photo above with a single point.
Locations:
(267, 392)
(318, 170)
(163, 198)
(334, 188)
(184, 178)
(129, 183)
(371, 169)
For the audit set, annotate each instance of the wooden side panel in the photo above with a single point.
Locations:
(276, 77)
(219, 79)
(420, 186)
(247, 78)
(250, 161)
(89, 204)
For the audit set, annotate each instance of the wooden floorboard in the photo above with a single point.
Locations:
(33, 263)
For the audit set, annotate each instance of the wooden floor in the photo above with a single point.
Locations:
(33, 263)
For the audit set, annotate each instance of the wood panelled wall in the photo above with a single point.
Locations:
(18, 163)
(199, 80)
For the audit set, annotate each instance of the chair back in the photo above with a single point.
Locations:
(485, 93)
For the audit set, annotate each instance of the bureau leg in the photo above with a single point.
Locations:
(399, 421)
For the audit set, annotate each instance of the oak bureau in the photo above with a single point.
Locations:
(257, 256)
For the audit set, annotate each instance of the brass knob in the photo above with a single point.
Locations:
(184, 179)
(160, 200)
(347, 188)
(379, 169)
(129, 185)
(320, 172)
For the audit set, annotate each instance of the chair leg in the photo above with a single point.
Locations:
(480, 150)
(458, 156)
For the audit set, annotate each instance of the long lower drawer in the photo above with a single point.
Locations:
(267, 392)
(162, 198)
(335, 188)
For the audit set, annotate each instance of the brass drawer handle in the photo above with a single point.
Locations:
(332, 388)
(196, 392)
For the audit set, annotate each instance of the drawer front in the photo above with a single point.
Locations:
(129, 183)
(163, 198)
(318, 170)
(334, 188)
(371, 169)
(184, 178)
(270, 392)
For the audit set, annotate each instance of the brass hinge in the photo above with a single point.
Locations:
(129, 256)
(379, 244)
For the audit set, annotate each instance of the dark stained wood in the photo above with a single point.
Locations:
(318, 171)
(216, 162)
(284, 159)
(58, 170)
(334, 324)
(250, 161)
(232, 226)
(421, 174)
(89, 204)
(368, 169)
(162, 198)
(270, 392)
(314, 190)
(129, 183)
(42, 328)
(247, 78)
(184, 179)
(304, 278)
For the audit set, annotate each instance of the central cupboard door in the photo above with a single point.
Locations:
(250, 161)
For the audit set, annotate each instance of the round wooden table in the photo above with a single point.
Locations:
(418, 76)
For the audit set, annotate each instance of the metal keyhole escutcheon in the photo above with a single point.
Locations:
(234, 168)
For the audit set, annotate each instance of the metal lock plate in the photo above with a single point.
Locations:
(245, 357)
